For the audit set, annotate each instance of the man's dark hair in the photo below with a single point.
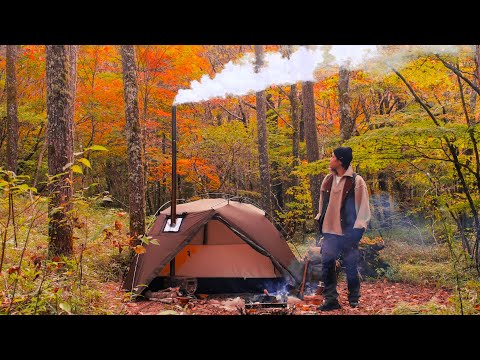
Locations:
(344, 154)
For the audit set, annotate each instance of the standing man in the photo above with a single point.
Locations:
(343, 215)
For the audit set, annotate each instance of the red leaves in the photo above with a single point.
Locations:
(13, 269)
(118, 225)
(378, 297)
(37, 261)
(108, 234)
(119, 245)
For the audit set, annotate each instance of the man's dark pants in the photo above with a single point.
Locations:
(332, 246)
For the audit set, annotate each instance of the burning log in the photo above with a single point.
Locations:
(165, 300)
(266, 300)
(265, 305)
(168, 293)
(313, 299)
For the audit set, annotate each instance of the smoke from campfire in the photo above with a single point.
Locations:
(239, 78)
(388, 218)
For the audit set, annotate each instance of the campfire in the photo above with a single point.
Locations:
(266, 300)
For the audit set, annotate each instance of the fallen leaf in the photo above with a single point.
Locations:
(65, 307)
(139, 249)
(168, 312)
(13, 269)
(118, 225)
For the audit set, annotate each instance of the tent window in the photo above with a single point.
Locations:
(174, 228)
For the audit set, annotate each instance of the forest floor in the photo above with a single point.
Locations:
(379, 297)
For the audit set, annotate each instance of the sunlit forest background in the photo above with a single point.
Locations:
(410, 116)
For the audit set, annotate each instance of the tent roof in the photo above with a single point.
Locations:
(213, 204)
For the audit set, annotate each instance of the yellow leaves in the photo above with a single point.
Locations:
(77, 169)
(139, 249)
(96, 148)
(85, 162)
(65, 307)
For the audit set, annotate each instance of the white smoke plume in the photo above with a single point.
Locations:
(239, 78)
(400, 55)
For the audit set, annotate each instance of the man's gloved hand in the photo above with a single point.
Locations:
(357, 234)
(318, 233)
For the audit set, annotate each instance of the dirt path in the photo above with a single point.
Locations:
(379, 297)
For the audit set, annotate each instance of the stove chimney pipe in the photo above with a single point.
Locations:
(173, 204)
(173, 207)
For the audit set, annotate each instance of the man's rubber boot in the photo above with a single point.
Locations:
(329, 306)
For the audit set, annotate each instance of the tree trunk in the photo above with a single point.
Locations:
(262, 139)
(295, 124)
(311, 138)
(296, 128)
(12, 112)
(302, 123)
(39, 161)
(73, 54)
(136, 180)
(276, 173)
(60, 147)
(476, 81)
(477, 63)
(347, 123)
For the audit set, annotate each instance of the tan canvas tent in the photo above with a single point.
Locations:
(217, 239)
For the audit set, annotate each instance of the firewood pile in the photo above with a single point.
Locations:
(166, 296)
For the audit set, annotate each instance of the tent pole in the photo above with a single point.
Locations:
(173, 206)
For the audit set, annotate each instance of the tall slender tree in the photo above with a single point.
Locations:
(296, 128)
(476, 80)
(347, 124)
(60, 99)
(265, 186)
(136, 159)
(12, 112)
(293, 97)
(311, 138)
(72, 56)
